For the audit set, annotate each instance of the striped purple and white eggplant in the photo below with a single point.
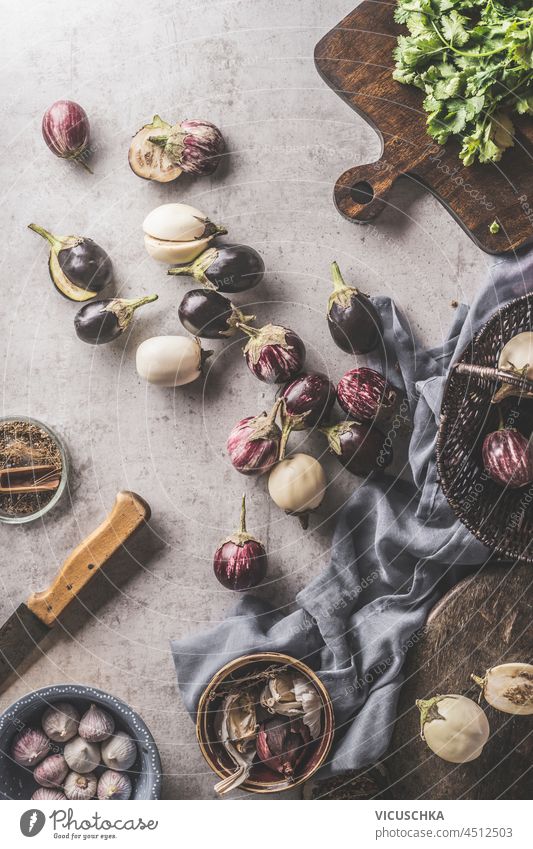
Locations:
(273, 353)
(253, 444)
(66, 130)
(307, 401)
(508, 458)
(240, 561)
(193, 145)
(367, 396)
(360, 448)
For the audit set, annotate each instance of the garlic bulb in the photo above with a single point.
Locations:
(79, 787)
(170, 360)
(241, 752)
(516, 357)
(454, 727)
(297, 485)
(51, 772)
(508, 687)
(119, 752)
(176, 233)
(114, 785)
(30, 747)
(48, 794)
(60, 722)
(81, 755)
(240, 718)
(96, 725)
(292, 694)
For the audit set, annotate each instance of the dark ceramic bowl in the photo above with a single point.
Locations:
(261, 778)
(17, 782)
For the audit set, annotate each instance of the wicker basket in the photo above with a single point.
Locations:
(502, 518)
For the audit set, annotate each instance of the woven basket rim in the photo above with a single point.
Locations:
(468, 350)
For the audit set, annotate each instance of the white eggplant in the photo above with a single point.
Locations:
(177, 233)
(171, 360)
(454, 727)
(508, 687)
(298, 485)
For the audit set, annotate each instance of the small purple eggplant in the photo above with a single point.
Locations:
(226, 268)
(508, 458)
(353, 321)
(307, 402)
(240, 561)
(273, 353)
(361, 449)
(102, 321)
(208, 314)
(253, 444)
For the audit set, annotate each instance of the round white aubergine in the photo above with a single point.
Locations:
(297, 484)
(177, 233)
(508, 687)
(170, 360)
(454, 727)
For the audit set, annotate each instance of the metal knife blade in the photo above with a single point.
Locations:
(19, 635)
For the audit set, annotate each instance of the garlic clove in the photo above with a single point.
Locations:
(82, 755)
(454, 727)
(114, 785)
(60, 722)
(96, 725)
(30, 746)
(51, 772)
(48, 794)
(508, 688)
(119, 752)
(80, 787)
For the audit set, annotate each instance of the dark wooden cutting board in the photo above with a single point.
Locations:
(356, 60)
(485, 620)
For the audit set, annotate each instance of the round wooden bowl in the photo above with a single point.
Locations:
(500, 517)
(261, 778)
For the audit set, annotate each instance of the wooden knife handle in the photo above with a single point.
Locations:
(128, 514)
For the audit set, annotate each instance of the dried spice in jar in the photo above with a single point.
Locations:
(32, 468)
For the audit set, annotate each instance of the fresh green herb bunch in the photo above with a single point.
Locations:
(473, 59)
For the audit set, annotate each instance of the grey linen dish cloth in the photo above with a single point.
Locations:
(397, 548)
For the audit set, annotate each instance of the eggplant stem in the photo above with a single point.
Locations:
(501, 425)
(246, 328)
(181, 269)
(83, 164)
(135, 303)
(338, 281)
(478, 680)
(286, 430)
(160, 140)
(54, 241)
(303, 519)
(243, 514)
(273, 414)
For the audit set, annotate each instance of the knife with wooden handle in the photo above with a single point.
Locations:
(31, 622)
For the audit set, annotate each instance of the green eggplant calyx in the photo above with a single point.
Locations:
(342, 294)
(124, 308)
(204, 355)
(198, 268)
(237, 318)
(428, 711)
(210, 229)
(57, 243)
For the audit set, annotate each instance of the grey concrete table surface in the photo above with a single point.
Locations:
(248, 67)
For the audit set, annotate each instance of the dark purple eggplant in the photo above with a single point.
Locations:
(208, 314)
(361, 449)
(79, 268)
(226, 268)
(103, 321)
(508, 458)
(353, 321)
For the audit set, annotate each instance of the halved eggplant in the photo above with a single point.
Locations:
(149, 160)
(78, 267)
